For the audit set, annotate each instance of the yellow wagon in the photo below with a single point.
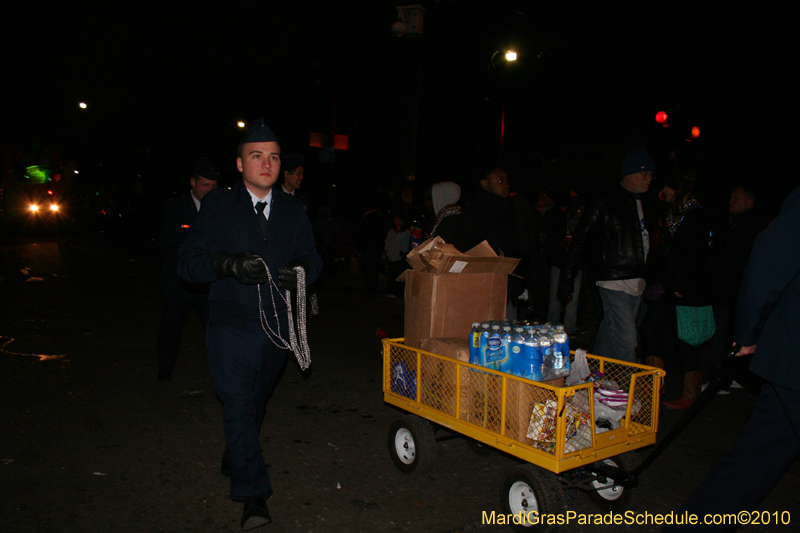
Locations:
(554, 429)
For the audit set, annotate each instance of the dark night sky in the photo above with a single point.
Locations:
(167, 82)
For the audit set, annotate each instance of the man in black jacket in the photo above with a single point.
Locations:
(505, 221)
(767, 325)
(614, 237)
(179, 297)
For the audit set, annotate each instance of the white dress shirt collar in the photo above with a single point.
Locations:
(256, 199)
(195, 200)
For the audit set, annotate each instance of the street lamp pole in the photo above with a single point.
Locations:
(408, 32)
(509, 57)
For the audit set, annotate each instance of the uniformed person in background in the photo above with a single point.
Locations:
(292, 177)
(178, 296)
(238, 231)
(290, 182)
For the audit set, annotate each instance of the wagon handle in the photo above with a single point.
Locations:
(724, 377)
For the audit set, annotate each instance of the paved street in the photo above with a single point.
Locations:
(91, 441)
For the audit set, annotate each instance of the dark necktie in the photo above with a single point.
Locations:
(261, 218)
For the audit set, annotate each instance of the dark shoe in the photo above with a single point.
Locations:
(164, 375)
(256, 514)
(225, 470)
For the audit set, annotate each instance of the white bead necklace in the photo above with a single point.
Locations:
(296, 343)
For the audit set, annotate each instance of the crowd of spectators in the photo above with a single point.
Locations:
(647, 258)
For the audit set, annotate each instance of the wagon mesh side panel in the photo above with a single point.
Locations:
(438, 384)
(643, 408)
(578, 420)
(616, 371)
(481, 398)
(532, 415)
(644, 393)
(401, 377)
(525, 405)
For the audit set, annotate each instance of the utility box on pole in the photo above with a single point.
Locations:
(412, 17)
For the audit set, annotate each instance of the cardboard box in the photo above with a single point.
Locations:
(521, 398)
(479, 405)
(454, 348)
(439, 377)
(446, 291)
(435, 256)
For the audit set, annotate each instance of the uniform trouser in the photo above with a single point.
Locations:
(176, 306)
(767, 446)
(616, 334)
(245, 368)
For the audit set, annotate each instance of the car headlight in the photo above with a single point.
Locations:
(34, 208)
(53, 207)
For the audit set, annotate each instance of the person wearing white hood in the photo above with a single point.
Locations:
(445, 197)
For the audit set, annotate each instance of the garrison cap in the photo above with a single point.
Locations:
(206, 169)
(292, 161)
(258, 132)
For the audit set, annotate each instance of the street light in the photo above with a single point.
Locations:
(509, 56)
(240, 124)
(82, 105)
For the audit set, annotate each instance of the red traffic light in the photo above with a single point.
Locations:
(661, 117)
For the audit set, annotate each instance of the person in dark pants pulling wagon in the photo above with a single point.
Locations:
(767, 325)
(244, 241)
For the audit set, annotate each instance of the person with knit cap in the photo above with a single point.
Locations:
(613, 236)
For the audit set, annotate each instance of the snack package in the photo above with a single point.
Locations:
(543, 425)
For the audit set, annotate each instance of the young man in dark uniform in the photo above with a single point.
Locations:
(179, 297)
(237, 232)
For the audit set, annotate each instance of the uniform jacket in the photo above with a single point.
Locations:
(768, 311)
(609, 236)
(228, 223)
(177, 218)
(299, 194)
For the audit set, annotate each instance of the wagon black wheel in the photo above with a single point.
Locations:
(529, 492)
(412, 445)
(608, 495)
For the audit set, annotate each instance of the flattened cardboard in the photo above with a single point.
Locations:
(414, 258)
(437, 257)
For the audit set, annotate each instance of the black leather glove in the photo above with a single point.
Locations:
(244, 267)
(287, 276)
